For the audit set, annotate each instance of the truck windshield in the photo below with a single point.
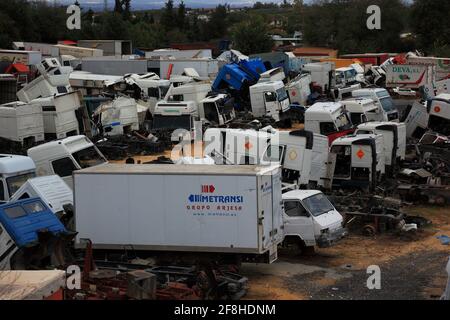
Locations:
(318, 204)
(14, 183)
(282, 94)
(211, 112)
(163, 91)
(342, 122)
(387, 104)
(172, 122)
(88, 157)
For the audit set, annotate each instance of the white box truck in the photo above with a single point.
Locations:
(224, 210)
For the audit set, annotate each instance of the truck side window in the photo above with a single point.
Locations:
(2, 191)
(270, 96)
(327, 128)
(294, 209)
(153, 92)
(63, 167)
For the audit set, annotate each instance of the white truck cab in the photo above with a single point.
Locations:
(14, 172)
(311, 218)
(362, 110)
(294, 151)
(153, 88)
(51, 189)
(54, 79)
(62, 157)
(299, 89)
(394, 136)
(119, 116)
(359, 161)
(21, 122)
(383, 99)
(194, 91)
(439, 110)
(170, 116)
(322, 74)
(60, 120)
(329, 119)
(217, 109)
(269, 98)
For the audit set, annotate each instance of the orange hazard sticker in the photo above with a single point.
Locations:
(360, 153)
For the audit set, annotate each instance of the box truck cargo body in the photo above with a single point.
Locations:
(201, 208)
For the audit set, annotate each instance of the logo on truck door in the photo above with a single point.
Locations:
(360, 153)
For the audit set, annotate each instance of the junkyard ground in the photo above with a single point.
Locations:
(412, 266)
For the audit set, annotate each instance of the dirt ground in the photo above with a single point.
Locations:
(412, 267)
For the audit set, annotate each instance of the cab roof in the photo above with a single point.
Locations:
(73, 144)
(299, 194)
(331, 107)
(346, 140)
(14, 163)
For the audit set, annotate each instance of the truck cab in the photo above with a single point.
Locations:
(50, 189)
(54, 79)
(188, 92)
(269, 99)
(345, 77)
(293, 150)
(119, 116)
(394, 136)
(26, 247)
(14, 172)
(62, 157)
(309, 217)
(439, 109)
(170, 116)
(362, 110)
(359, 161)
(152, 87)
(329, 119)
(217, 109)
(299, 89)
(383, 99)
(322, 75)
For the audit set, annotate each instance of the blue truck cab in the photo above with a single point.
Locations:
(25, 219)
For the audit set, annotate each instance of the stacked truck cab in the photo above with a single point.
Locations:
(359, 161)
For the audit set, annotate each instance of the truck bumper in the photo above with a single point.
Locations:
(330, 238)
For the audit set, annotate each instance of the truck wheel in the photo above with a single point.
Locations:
(369, 230)
(308, 251)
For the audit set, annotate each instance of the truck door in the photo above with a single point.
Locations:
(7, 248)
(266, 210)
(271, 102)
(298, 222)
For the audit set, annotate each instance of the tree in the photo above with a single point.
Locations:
(168, 16)
(181, 16)
(431, 23)
(217, 24)
(251, 36)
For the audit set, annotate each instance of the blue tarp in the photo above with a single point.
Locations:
(23, 220)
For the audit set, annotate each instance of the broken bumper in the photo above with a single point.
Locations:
(330, 238)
